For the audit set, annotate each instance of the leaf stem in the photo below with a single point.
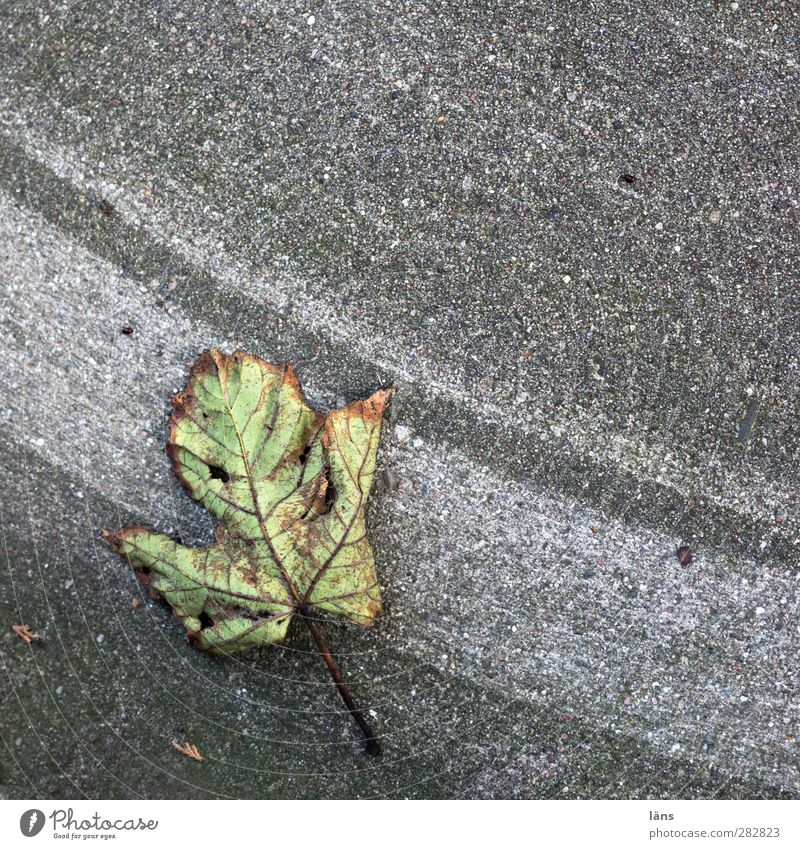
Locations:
(373, 746)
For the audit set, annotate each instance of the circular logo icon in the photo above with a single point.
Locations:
(31, 822)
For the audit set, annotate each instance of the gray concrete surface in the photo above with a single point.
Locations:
(591, 373)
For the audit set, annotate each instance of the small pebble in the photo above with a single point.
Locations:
(390, 480)
(59, 690)
(571, 95)
(715, 216)
(100, 638)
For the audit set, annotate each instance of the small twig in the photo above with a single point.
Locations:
(188, 749)
(24, 633)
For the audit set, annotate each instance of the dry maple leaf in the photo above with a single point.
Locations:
(188, 749)
(24, 633)
(288, 486)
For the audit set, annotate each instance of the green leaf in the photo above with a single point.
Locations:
(288, 486)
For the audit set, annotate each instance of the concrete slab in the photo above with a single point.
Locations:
(592, 372)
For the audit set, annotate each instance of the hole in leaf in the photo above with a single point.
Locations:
(218, 473)
(205, 620)
(304, 455)
(330, 492)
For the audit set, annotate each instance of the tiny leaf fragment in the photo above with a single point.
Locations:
(24, 633)
(188, 749)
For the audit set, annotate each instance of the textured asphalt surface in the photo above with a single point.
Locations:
(567, 233)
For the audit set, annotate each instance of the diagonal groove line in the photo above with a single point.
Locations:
(665, 768)
(535, 458)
